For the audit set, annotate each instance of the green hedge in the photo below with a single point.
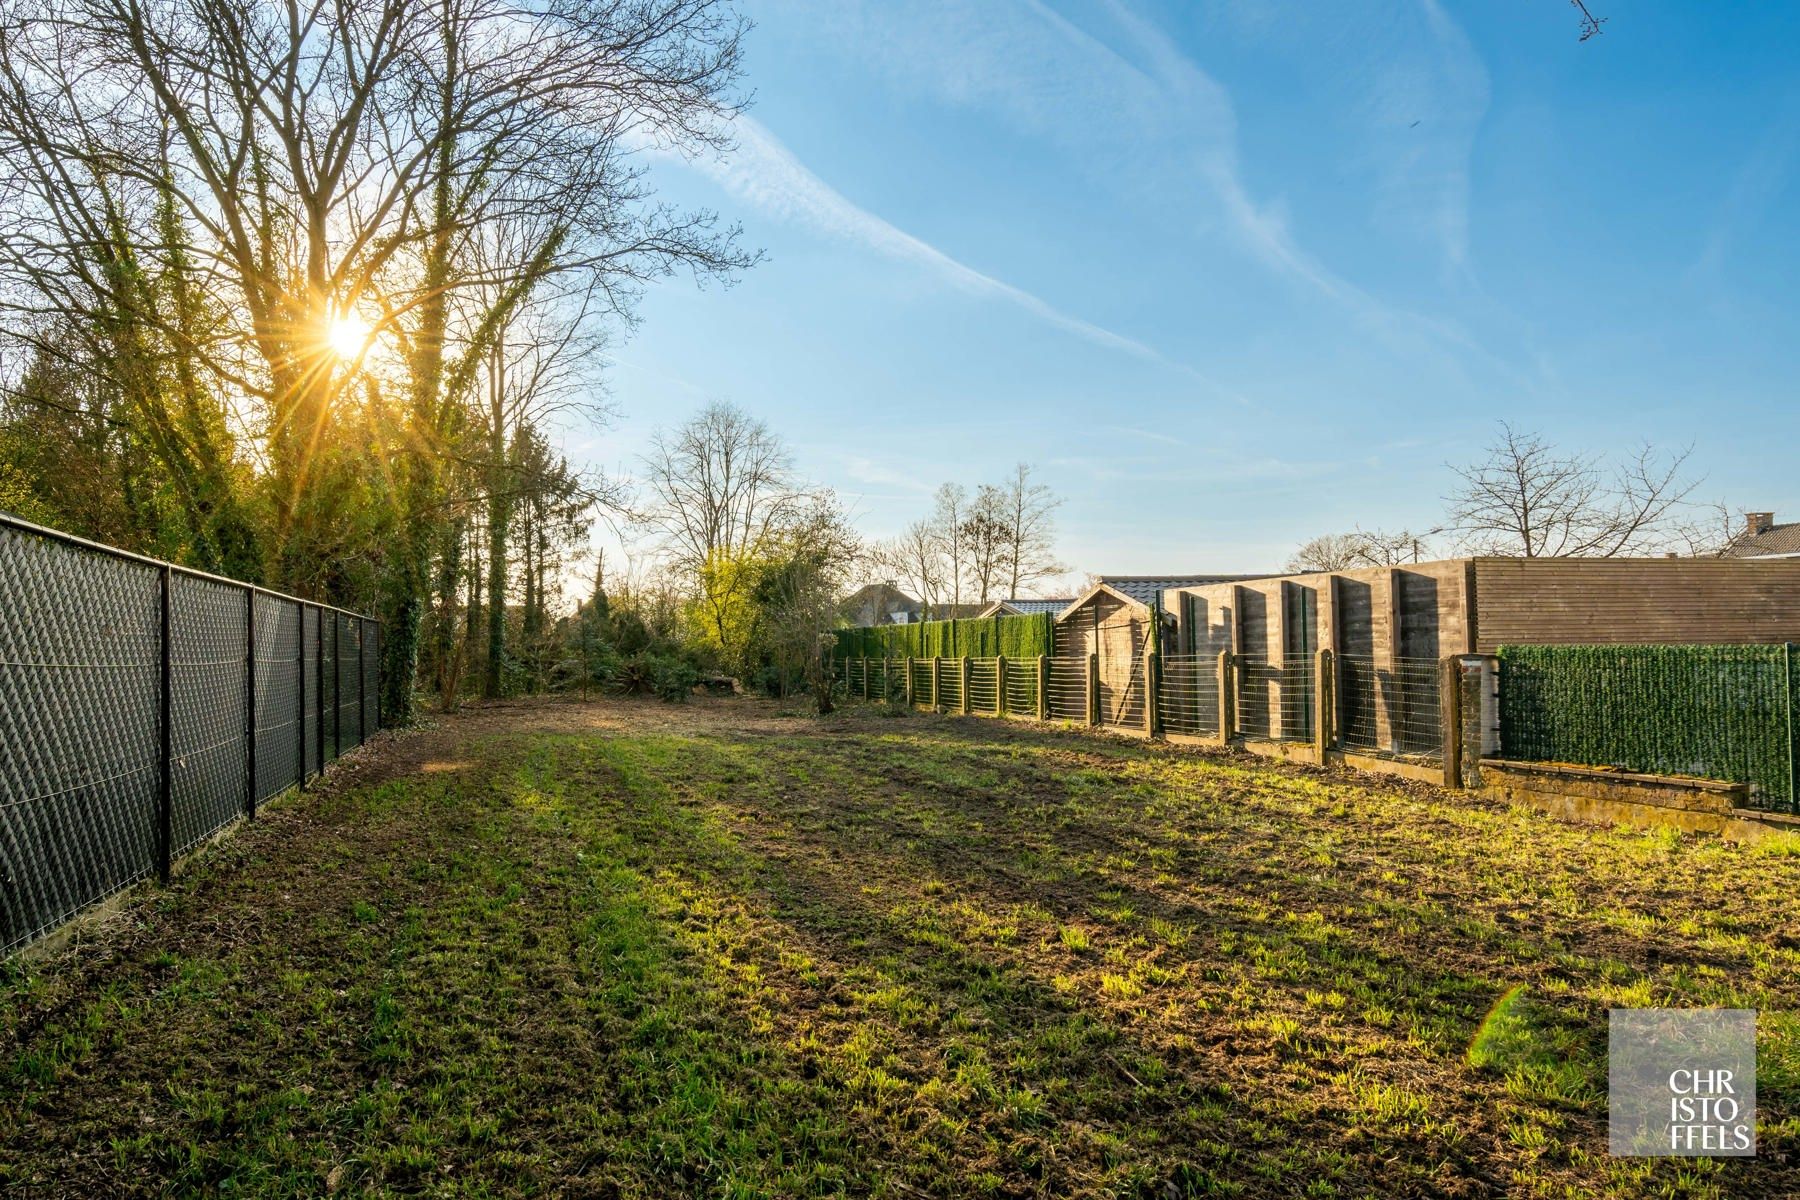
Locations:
(1024, 636)
(1723, 712)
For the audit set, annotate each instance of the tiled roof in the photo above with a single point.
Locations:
(1148, 589)
(1776, 539)
(1035, 605)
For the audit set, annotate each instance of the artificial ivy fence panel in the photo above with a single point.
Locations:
(1721, 712)
(1025, 636)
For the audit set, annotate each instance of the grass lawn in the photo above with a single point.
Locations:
(630, 949)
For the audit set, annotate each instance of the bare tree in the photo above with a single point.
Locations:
(1707, 531)
(1527, 499)
(949, 512)
(723, 487)
(541, 362)
(1029, 511)
(1388, 548)
(916, 563)
(1359, 548)
(986, 536)
(1328, 552)
(1001, 540)
(1590, 24)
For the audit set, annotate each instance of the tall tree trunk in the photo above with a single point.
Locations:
(474, 616)
(409, 580)
(445, 658)
(528, 611)
(542, 623)
(499, 488)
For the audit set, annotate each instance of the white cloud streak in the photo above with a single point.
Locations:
(1117, 96)
(766, 174)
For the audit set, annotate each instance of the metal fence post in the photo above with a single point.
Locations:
(299, 694)
(1323, 705)
(250, 704)
(1093, 689)
(375, 629)
(362, 684)
(337, 686)
(165, 786)
(1152, 693)
(1043, 687)
(963, 686)
(319, 684)
(1227, 690)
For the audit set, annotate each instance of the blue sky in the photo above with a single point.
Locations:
(1232, 275)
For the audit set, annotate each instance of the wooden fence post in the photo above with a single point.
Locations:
(1000, 685)
(1450, 719)
(937, 682)
(1323, 732)
(1152, 691)
(909, 680)
(1471, 683)
(1227, 688)
(1093, 689)
(963, 689)
(1043, 687)
(865, 678)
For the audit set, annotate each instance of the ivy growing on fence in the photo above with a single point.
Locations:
(1024, 636)
(1722, 712)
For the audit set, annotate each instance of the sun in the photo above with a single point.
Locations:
(348, 336)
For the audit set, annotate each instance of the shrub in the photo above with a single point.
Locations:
(667, 676)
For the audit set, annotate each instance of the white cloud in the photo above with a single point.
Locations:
(1753, 188)
(1421, 117)
(1114, 93)
(765, 173)
(867, 470)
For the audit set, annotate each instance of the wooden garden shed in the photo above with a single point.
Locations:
(1389, 626)
(1118, 620)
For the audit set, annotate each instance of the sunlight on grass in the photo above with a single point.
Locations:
(685, 959)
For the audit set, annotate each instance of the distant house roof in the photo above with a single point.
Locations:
(878, 604)
(1148, 589)
(956, 612)
(1022, 605)
(1765, 539)
(878, 591)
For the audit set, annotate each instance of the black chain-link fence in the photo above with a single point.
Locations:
(144, 707)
